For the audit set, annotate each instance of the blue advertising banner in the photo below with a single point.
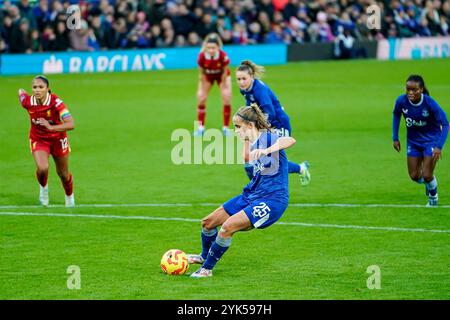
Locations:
(132, 60)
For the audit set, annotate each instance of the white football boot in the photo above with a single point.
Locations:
(305, 175)
(195, 259)
(202, 273)
(43, 195)
(70, 201)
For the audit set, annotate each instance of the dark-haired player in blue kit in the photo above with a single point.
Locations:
(256, 91)
(427, 129)
(262, 202)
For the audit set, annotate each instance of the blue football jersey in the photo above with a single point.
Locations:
(426, 122)
(261, 94)
(270, 173)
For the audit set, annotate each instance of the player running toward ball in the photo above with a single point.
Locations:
(213, 65)
(248, 76)
(50, 120)
(262, 202)
(426, 131)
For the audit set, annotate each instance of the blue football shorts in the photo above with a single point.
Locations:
(261, 212)
(420, 151)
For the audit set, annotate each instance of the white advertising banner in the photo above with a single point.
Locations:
(414, 48)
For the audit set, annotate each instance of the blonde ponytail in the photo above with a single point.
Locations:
(252, 69)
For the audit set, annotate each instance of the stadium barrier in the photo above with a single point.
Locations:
(414, 48)
(325, 51)
(131, 60)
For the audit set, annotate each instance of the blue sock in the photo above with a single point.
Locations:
(293, 167)
(217, 250)
(249, 170)
(208, 237)
(432, 187)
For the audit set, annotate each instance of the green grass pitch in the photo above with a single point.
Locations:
(121, 155)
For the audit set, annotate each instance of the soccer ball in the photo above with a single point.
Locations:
(174, 262)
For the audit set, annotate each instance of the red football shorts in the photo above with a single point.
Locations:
(211, 78)
(55, 147)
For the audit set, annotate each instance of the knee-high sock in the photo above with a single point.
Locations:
(68, 186)
(226, 115)
(293, 167)
(201, 114)
(432, 187)
(42, 177)
(218, 248)
(208, 237)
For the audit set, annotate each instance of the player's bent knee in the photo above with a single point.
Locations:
(207, 224)
(414, 176)
(224, 232)
(42, 169)
(428, 177)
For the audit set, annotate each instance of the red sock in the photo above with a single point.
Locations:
(42, 177)
(226, 115)
(68, 186)
(201, 114)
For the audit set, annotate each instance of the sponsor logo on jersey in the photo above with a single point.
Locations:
(411, 122)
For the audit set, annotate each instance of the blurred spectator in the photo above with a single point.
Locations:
(62, 42)
(79, 38)
(42, 14)
(344, 46)
(156, 37)
(194, 40)
(267, 7)
(48, 39)
(255, 33)
(275, 35)
(20, 37)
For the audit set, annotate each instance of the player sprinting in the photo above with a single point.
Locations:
(213, 65)
(426, 131)
(262, 202)
(50, 119)
(248, 76)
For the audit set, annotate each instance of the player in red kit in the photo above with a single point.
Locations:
(50, 120)
(213, 65)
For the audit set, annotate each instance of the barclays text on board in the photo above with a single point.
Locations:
(131, 60)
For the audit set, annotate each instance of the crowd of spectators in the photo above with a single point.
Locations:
(45, 25)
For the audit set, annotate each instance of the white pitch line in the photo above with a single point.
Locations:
(320, 225)
(300, 205)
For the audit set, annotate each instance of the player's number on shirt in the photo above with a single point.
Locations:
(64, 143)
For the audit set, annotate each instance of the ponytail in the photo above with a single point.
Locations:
(252, 69)
(418, 79)
(253, 114)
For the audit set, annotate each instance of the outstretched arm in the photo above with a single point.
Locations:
(22, 97)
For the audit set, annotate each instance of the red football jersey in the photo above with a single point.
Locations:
(213, 65)
(53, 110)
